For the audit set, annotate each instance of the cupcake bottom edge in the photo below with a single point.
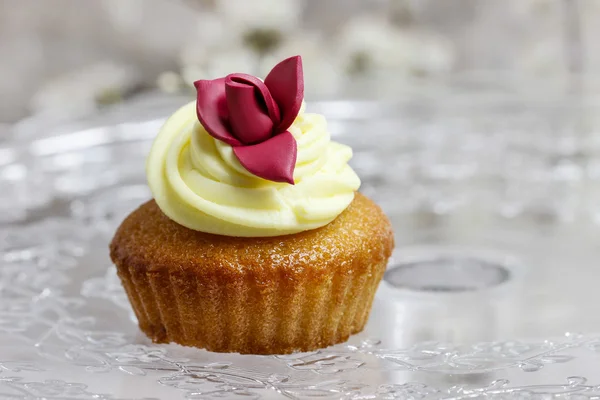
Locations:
(252, 315)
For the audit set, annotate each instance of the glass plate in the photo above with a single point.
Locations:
(492, 291)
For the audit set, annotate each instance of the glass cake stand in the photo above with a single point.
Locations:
(492, 291)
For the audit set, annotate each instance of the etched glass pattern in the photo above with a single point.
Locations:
(509, 188)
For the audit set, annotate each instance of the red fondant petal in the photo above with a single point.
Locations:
(247, 111)
(273, 159)
(286, 84)
(211, 108)
(264, 94)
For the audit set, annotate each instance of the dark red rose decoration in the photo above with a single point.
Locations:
(253, 117)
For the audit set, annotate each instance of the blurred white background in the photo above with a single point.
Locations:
(71, 56)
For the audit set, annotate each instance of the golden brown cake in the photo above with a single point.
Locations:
(269, 295)
(256, 240)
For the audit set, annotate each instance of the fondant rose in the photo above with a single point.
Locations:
(253, 116)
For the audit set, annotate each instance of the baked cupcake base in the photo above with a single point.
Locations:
(272, 295)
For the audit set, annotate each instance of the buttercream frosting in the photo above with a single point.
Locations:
(198, 181)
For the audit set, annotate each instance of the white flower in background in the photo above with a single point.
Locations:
(252, 36)
(323, 74)
(221, 63)
(80, 92)
(212, 34)
(169, 82)
(370, 43)
(215, 50)
(261, 25)
(235, 37)
(247, 15)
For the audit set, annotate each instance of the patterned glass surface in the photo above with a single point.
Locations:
(492, 291)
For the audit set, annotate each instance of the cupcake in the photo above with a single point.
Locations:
(257, 240)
